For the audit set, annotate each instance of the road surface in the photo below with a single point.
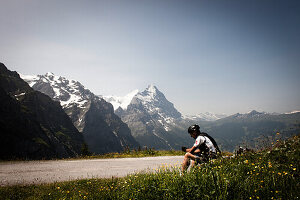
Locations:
(37, 172)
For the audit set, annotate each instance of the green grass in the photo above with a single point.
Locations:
(148, 152)
(269, 174)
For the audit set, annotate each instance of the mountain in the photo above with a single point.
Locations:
(156, 123)
(207, 116)
(153, 120)
(32, 126)
(120, 102)
(93, 116)
(252, 128)
(293, 112)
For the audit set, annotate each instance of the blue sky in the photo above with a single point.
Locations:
(217, 56)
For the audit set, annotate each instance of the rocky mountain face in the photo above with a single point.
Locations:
(156, 123)
(251, 129)
(103, 131)
(152, 119)
(32, 126)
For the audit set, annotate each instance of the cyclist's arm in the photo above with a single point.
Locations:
(191, 150)
(198, 142)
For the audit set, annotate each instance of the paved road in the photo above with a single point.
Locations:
(36, 172)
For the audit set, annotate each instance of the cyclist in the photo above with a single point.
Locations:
(204, 148)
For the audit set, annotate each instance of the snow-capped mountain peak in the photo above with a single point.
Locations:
(67, 92)
(30, 79)
(254, 112)
(49, 74)
(150, 94)
(207, 116)
(293, 112)
(121, 102)
(150, 101)
(102, 129)
(151, 91)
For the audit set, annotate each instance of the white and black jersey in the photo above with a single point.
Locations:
(205, 140)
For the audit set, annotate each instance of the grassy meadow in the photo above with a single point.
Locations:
(272, 173)
(135, 153)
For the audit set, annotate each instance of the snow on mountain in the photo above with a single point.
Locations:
(293, 112)
(151, 117)
(155, 103)
(103, 130)
(30, 79)
(207, 116)
(152, 101)
(32, 125)
(149, 95)
(67, 92)
(254, 112)
(120, 102)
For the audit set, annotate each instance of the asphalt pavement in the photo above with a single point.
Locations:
(37, 172)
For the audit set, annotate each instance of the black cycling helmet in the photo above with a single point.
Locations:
(194, 128)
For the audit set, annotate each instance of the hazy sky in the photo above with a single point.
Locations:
(217, 56)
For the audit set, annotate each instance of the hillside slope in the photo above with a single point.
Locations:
(32, 126)
(102, 130)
